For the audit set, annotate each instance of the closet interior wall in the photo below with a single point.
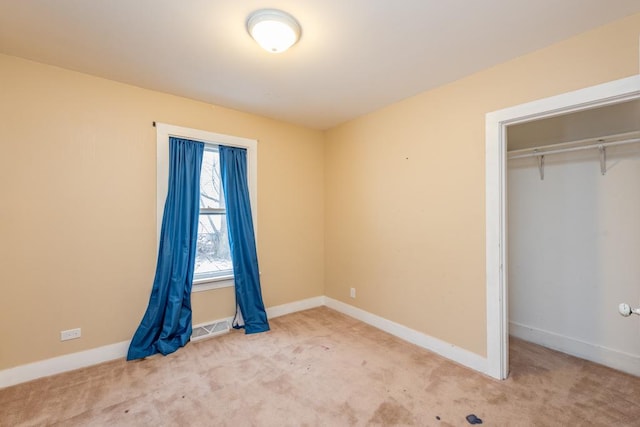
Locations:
(573, 250)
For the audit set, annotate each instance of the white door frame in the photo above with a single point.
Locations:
(496, 228)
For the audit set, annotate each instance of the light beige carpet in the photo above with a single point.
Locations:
(321, 368)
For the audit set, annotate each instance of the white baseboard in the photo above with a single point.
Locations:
(292, 307)
(450, 351)
(68, 362)
(605, 356)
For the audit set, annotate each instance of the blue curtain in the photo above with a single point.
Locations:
(250, 312)
(166, 325)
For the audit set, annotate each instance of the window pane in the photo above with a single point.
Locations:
(213, 256)
(211, 195)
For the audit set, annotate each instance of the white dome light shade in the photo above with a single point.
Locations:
(274, 30)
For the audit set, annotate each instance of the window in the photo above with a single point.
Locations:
(213, 267)
(213, 255)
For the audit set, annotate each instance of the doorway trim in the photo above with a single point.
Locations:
(495, 181)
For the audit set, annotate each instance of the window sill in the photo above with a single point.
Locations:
(209, 284)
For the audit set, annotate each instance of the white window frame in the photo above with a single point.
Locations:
(163, 132)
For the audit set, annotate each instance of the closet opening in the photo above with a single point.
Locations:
(573, 233)
(598, 150)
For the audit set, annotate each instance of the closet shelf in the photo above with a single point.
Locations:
(600, 144)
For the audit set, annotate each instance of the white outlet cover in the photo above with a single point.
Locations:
(70, 334)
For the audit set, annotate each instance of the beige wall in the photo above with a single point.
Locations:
(77, 207)
(405, 189)
(391, 203)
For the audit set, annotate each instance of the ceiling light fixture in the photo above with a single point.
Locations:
(274, 30)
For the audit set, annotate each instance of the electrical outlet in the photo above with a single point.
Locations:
(352, 292)
(70, 334)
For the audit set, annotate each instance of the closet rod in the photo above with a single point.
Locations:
(598, 145)
(578, 142)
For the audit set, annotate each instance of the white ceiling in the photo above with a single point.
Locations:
(354, 57)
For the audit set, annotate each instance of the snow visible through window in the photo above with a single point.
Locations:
(213, 256)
